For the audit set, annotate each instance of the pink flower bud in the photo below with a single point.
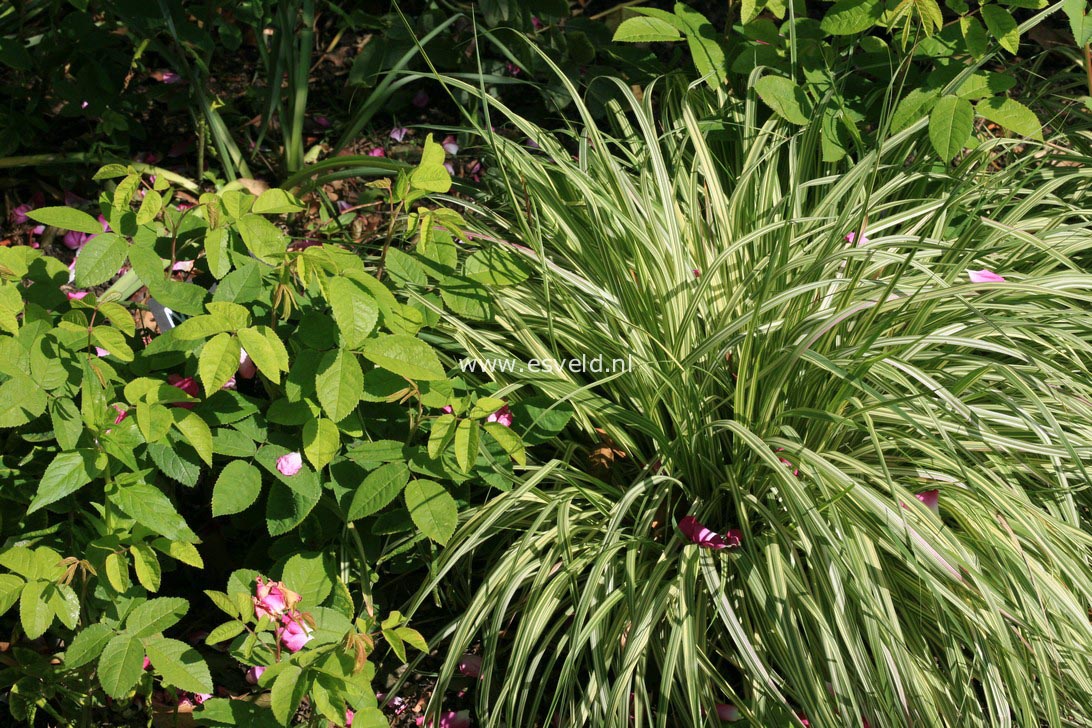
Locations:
(254, 673)
(470, 665)
(289, 464)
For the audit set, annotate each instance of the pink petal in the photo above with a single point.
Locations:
(75, 295)
(931, 499)
(398, 133)
(727, 712)
(449, 145)
(247, 368)
(470, 665)
(254, 673)
(289, 464)
(322, 121)
(377, 152)
(502, 416)
(984, 276)
(851, 237)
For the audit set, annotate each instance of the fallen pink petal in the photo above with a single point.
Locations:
(289, 464)
(398, 133)
(706, 538)
(984, 276)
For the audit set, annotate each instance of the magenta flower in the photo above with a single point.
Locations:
(186, 384)
(273, 599)
(727, 712)
(377, 152)
(447, 408)
(536, 23)
(984, 276)
(450, 145)
(852, 237)
(147, 663)
(449, 168)
(170, 77)
(289, 464)
(254, 673)
(322, 121)
(74, 240)
(75, 295)
(503, 416)
(450, 719)
(19, 214)
(420, 99)
(200, 698)
(100, 352)
(931, 499)
(512, 68)
(293, 633)
(702, 536)
(349, 715)
(121, 415)
(247, 368)
(398, 133)
(470, 665)
(474, 170)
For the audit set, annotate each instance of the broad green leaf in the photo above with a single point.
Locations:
(443, 431)
(196, 431)
(121, 665)
(433, 509)
(155, 615)
(849, 17)
(100, 259)
(288, 690)
(406, 356)
(950, 126)
(148, 506)
(1011, 115)
(276, 202)
(378, 489)
(912, 107)
(308, 574)
(355, 311)
(68, 472)
(238, 486)
(66, 218)
(154, 421)
(10, 588)
(113, 341)
(645, 30)
(64, 603)
(467, 436)
(1080, 21)
(430, 174)
(146, 565)
(201, 327)
(219, 361)
(182, 551)
(975, 35)
(150, 206)
(785, 98)
(87, 645)
(321, 440)
(508, 440)
(225, 632)
(1002, 26)
(21, 400)
(266, 350)
(117, 572)
(339, 383)
(180, 665)
(110, 171)
(35, 613)
(497, 266)
(217, 242)
(704, 44)
(262, 238)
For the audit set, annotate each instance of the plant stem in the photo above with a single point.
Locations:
(1088, 66)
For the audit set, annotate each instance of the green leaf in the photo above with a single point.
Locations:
(1002, 26)
(467, 436)
(35, 613)
(704, 44)
(432, 509)
(1011, 115)
(406, 356)
(443, 431)
(196, 432)
(378, 489)
(645, 30)
(321, 440)
(21, 400)
(11, 586)
(288, 690)
(238, 486)
(154, 421)
(111, 171)
(117, 572)
(150, 206)
(354, 309)
(180, 665)
(225, 631)
(338, 383)
(218, 363)
(100, 259)
(67, 473)
(217, 242)
(121, 665)
(912, 107)
(849, 17)
(155, 615)
(1080, 22)
(950, 126)
(113, 341)
(266, 350)
(497, 266)
(87, 645)
(64, 603)
(276, 202)
(308, 574)
(975, 35)
(508, 440)
(146, 565)
(430, 174)
(66, 218)
(262, 238)
(785, 98)
(149, 507)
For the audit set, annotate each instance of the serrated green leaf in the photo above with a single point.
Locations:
(150, 206)
(508, 440)
(950, 126)
(35, 613)
(443, 432)
(238, 486)
(321, 440)
(67, 473)
(1002, 26)
(849, 17)
(146, 565)
(195, 430)
(218, 362)
(432, 509)
(406, 356)
(100, 259)
(21, 400)
(288, 690)
(155, 615)
(66, 218)
(338, 383)
(180, 665)
(308, 574)
(1011, 115)
(147, 505)
(786, 98)
(87, 645)
(224, 632)
(266, 349)
(645, 30)
(276, 202)
(379, 488)
(430, 175)
(467, 437)
(1080, 21)
(121, 665)
(262, 238)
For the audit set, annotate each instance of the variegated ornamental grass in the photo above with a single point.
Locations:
(802, 389)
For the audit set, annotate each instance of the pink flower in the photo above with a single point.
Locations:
(449, 168)
(503, 416)
(75, 295)
(200, 698)
(230, 384)
(536, 23)
(852, 237)
(696, 272)
(121, 415)
(702, 536)
(984, 276)
(398, 133)
(930, 499)
(247, 368)
(147, 663)
(273, 599)
(19, 214)
(321, 121)
(289, 464)
(377, 152)
(186, 384)
(450, 719)
(474, 170)
(74, 240)
(100, 352)
(447, 408)
(420, 99)
(349, 717)
(293, 633)
(449, 145)
(727, 712)
(170, 77)
(512, 68)
(470, 665)
(254, 673)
